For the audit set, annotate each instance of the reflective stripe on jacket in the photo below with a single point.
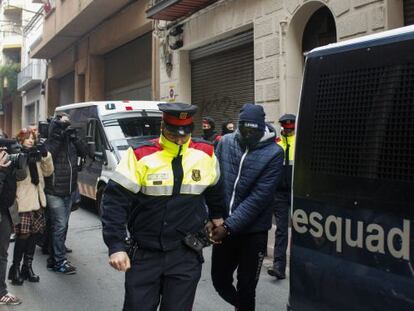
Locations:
(149, 169)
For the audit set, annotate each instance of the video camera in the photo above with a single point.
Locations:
(17, 158)
(44, 126)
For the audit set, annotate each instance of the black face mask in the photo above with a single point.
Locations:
(227, 131)
(249, 137)
(207, 133)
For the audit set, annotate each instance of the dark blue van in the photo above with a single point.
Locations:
(353, 193)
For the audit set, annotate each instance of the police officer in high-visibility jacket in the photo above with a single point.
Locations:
(283, 194)
(165, 190)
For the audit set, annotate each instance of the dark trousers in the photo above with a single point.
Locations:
(5, 230)
(244, 253)
(281, 211)
(168, 279)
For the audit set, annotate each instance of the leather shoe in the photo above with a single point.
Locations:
(276, 273)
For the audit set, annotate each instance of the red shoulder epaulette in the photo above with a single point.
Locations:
(203, 146)
(147, 149)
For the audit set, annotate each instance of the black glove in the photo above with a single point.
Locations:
(42, 149)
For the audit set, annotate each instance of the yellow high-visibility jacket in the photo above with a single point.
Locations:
(161, 190)
(286, 181)
(283, 142)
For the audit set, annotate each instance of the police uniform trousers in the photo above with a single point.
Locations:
(165, 278)
(281, 211)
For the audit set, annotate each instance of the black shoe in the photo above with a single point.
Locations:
(75, 206)
(15, 275)
(65, 268)
(50, 265)
(68, 250)
(276, 273)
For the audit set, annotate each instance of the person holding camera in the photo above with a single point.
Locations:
(65, 147)
(8, 185)
(31, 201)
(161, 188)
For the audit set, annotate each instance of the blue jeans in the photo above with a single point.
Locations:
(59, 212)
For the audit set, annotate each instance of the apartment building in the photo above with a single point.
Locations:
(10, 48)
(222, 54)
(31, 79)
(96, 50)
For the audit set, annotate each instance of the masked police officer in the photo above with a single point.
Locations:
(160, 189)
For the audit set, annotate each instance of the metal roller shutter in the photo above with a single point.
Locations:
(408, 12)
(222, 79)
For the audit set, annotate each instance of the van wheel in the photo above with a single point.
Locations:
(98, 202)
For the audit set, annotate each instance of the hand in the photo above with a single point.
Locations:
(218, 234)
(218, 222)
(120, 261)
(42, 149)
(4, 159)
(209, 227)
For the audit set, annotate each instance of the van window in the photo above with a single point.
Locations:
(132, 127)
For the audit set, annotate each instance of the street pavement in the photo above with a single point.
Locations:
(96, 286)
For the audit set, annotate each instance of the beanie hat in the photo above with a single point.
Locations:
(253, 116)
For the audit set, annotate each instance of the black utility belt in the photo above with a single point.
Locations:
(194, 241)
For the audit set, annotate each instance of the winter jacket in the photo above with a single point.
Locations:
(30, 197)
(8, 185)
(249, 178)
(161, 190)
(65, 152)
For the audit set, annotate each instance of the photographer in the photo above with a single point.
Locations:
(31, 201)
(8, 186)
(65, 147)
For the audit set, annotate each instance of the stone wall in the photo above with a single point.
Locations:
(277, 77)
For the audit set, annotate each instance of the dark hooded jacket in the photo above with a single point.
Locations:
(249, 177)
(65, 152)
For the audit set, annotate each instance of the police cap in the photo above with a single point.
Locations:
(288, 120)
(178, 117)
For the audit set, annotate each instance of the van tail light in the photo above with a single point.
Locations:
(128, 108)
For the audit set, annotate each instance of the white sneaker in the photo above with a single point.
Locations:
(10, 300)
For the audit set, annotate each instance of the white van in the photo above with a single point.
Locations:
(109, 128)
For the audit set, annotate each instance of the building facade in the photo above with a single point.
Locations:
(10, 49)
(215, 54)
(96, 50)
(237, 51)
(31, 79)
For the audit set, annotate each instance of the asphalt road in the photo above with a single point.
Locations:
(97, 287)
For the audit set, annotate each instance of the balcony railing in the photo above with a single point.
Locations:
(171, 10)
(31, 75)
(9, 5)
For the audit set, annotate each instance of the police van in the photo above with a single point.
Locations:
(109, 128)
(353, 186)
